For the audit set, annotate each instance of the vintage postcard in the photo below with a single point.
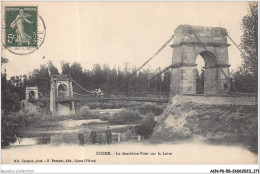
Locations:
(129, 83)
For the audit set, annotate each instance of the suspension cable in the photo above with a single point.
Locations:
(133, 73)
(236, 45)
(41, 94)
(158, 74)
(224, 73)
(215, 59)
(80, 86)
(31, 95)
(200, 40)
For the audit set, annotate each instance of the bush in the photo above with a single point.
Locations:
(24, 118)
(104, 117)
(107, 106)
(120, 104)
(129, 134)
(8, 131)
(94, 105)
(9, 99)
(86, 113)
(151, 107)
(34, 118)
(125, 117)
(147, 125)
(65, 117)
(134, 105)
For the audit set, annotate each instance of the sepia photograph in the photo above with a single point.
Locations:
(129, 83)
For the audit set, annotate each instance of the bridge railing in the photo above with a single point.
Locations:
(137, 94)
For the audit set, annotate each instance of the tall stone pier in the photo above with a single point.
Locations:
(209, 42)
(61, 95)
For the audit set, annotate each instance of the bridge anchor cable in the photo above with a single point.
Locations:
(80, 86)
(214, 58)
(153, 56)
(158, 74)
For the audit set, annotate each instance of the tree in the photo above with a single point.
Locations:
(244, 82)
(98, 76)
(77, 72)
(40, 77)
(65, 68)
(3, 60)
(249, 40)
(199, 82)
(246, 76)
(18, 84)
(9, 98)
(53, 70)
(202, 79)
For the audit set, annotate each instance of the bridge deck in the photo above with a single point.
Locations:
(142, 99)
(90, 99)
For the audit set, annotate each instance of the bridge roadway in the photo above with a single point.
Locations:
(104, 99)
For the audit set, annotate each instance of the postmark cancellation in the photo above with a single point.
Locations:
(24, 29)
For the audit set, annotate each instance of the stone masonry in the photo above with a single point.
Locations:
(31, 92)
(61, 101)
(186, 47)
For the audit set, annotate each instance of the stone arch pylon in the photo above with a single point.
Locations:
(31, 92)
(209, 42)
(61, 95)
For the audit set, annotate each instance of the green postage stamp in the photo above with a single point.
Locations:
(21, 26)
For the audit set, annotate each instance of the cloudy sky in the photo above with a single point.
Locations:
(117, 33)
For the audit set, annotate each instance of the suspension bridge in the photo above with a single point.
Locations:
(188, 43)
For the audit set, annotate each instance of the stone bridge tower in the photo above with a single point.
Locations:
(61, 95)
(211, 44)
(31, 93)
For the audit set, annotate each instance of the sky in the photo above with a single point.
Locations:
(119, 33)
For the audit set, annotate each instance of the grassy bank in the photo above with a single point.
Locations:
(13, 122)
(214, 124)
